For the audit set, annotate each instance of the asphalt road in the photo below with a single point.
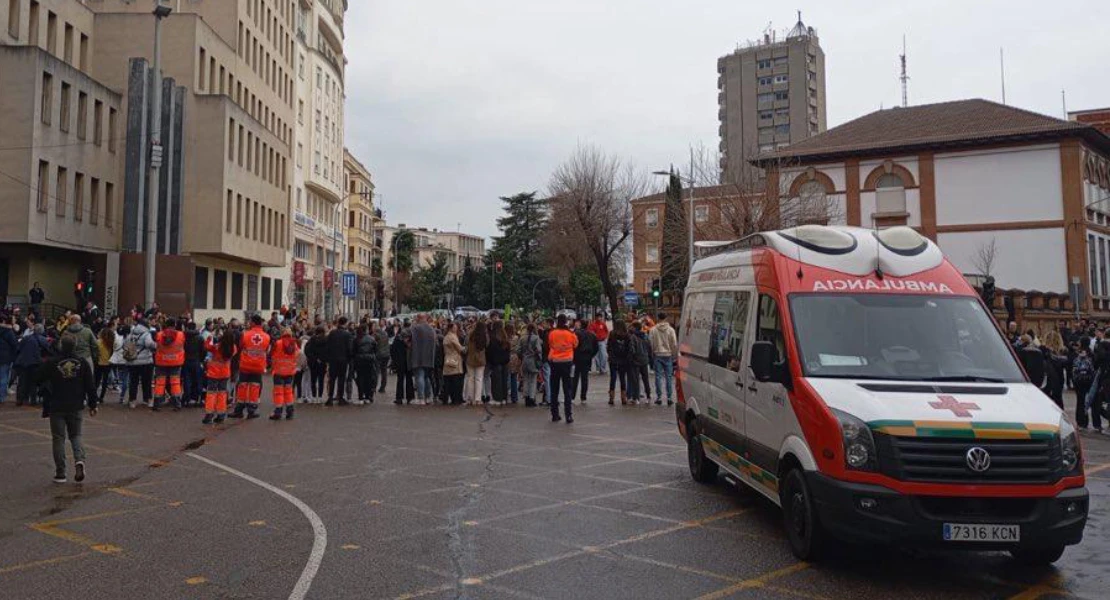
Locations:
(434, 502)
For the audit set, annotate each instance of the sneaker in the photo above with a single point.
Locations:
(253, 415)
(220, 419)
(398, 402)
(60, 478)
(658, 402)
(670, 402)
(570, 420)
(276, 416)
(79, 474)
(556, 419)
(344, 402)
(329, 402)
(289, 413)
(208, 419)
(131, 404)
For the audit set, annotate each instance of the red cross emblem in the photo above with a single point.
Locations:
(960, 409)
(256, 339)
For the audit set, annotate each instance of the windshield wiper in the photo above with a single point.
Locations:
(968, 378)
(860, 377)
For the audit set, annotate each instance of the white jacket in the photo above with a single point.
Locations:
(664, 342)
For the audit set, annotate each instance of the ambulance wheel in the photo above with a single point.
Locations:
(1037, 556)
(803, 527)
(702, 469)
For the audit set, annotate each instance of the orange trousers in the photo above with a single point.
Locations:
(170, 375)
(283, 391)
(249, 390)
(215, 401)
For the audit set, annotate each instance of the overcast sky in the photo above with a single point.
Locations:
(451, 104)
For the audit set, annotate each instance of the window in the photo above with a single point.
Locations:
(763, 64)
(79, 197)
(1102, 266)
(228, 211)
(236, 291)
(63, 116)
(781, 79)
(300, 112)
(109, 204)
(111, 130)
(766, 115)
(701, 214)
(252, 293)
(652, 254)
(764, 81)
(13, 18)
(60, 193)
(266, 282)
(94, 202)
(200, 287)
(765, 98)
(782, 96)
(98, 122)
(319, 78)
(238, 214)
(812, 204)
(300, 161)
(46, 105)
(729, 328)
(890, 194)
(319, 119)
(231, 140)
(278, 292)
(33, 22)
(67, 44)
(219, 289)
(83, 53)
(82, 114)
(51, 32)
(782, 61)
(782, 129)
(44, 186)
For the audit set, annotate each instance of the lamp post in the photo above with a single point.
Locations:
(538, 285)
(153, 186)
(393, 251)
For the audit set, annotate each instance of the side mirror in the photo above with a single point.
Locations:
(766, 365)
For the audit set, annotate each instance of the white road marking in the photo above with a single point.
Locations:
(320, 533)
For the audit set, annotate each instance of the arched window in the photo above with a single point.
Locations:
(890, 194)
(812, 204)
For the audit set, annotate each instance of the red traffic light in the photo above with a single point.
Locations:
(499, 266)
(80, 286)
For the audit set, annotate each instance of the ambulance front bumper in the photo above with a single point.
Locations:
(872, 514)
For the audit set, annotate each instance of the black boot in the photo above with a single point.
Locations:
(238, 414)
(252, 411)
(277, 414)
(220, 418)
(288, 412)
(208, 419)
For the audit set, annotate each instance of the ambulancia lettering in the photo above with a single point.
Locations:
(886, 285)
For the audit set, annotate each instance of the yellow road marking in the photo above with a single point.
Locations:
(76, 538)
(128, 493)
(350, 546)
(1098, 469)
(41, 563)
(256, 523)
(147, 460)
(94, 517)
(196, 580)
(755, 582)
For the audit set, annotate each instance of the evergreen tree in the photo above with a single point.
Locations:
(675, 264)
(518, 249)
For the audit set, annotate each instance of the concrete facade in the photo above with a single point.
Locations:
(771, 94)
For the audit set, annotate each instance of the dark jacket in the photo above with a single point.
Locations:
(9, 345)
(639, 349)
(497, 354)
(587, 346)
(36, 295)
(194, 347)
(422, 353)
(1032, 359)
(399, 354)
(340, 345)
(618, 351)
(31, 349)
(70, 382)
(366, 348)
(316, 350)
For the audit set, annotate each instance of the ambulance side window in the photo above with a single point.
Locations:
(730, 324)
(768, 326)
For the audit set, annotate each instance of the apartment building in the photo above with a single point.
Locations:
(466, 250)
(60, 153)
(771, 93)
(456, 248)
(360, 233)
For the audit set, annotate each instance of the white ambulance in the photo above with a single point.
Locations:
(854, 378)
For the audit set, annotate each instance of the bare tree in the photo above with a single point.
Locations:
(590, 195)
(984, 257)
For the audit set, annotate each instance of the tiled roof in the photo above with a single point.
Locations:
(962, 123)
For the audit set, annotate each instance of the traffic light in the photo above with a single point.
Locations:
(90, 283)
(655, 292)
(499, 267)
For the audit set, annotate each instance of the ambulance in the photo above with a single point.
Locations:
(855, 379)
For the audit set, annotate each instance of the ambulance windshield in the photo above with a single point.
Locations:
(900, 337)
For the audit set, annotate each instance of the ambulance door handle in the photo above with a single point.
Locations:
(753, 389)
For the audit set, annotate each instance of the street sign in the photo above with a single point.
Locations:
(631, 298)
(350, 284)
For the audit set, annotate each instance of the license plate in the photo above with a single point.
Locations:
(956, 532)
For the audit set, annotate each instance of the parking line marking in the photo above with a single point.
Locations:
(76, 538)
(1046, 585)
(755, 582)
(41, 563)
(319, 532)
(1098, 469)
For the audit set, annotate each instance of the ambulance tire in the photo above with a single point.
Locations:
(804, 531)
(702, 469)
(1034, 557)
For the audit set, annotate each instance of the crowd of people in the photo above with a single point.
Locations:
(150, 359)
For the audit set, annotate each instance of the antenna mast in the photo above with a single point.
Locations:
(1002, 68)
(904, 78)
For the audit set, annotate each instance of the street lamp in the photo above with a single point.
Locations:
(536, 286)
(690, 181)
(160, 12)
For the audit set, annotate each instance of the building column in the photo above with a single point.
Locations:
(927, 194)
(1075, 215)
(851, 177)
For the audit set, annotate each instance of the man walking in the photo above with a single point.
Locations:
(561, 344)
(601, 332)
(664, 346)
(584, 355)
(72, 386)
(340, 348)
(423, 357)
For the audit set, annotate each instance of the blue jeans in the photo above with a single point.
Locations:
(601, 361)
(514, 388)
(547, 381)
(5, 379)
(423, 384)
(664, 369)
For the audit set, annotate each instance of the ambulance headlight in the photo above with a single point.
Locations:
(1070, 454)
(859, 443)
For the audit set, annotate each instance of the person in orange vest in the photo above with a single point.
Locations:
(169, 357)
(253, 352)
(561, 343)
(283, 360)
(218, 372)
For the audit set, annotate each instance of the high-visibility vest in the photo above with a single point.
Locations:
(283, 363)
(252, 356)
(170, 354)
(561, 344)
(219, 366)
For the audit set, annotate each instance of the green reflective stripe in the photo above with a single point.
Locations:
(742, 465)
(999, 425)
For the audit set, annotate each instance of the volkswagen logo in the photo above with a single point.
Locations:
(978, 460)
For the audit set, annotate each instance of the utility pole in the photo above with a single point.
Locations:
(154, 185)
(905, 78)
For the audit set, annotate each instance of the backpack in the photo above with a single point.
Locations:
(638, 349)
(1083, 371)
(131, 348)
